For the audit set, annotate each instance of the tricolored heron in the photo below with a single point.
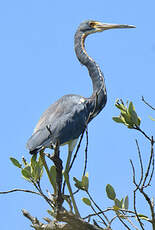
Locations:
(67, 118)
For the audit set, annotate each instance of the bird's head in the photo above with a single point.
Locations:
(90, 26)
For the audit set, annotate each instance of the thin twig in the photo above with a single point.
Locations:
(19, 190)
(74, 157)
(140, 130)
(141, 163)
(133, 172)
(98, 209)
(134, 197)
(147, 103)
(149, 165)
(127, 218)
(86, 153)
(38, 187)
(151, 176)
(77, 149)
(98, 215)
(123, 222)
(151, 207)
(151, 160)
(111, 209)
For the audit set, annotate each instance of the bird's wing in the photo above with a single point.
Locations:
(64, 121)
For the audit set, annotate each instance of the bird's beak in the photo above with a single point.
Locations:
(106, 26)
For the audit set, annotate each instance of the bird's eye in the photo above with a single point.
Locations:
(92, 24)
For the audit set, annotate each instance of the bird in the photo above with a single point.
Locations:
(66, 119)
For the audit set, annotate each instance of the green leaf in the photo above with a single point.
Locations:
(126, 203)
(118, 203)
(85, 182)
(118, 119)
(26, 172)
(127, 118)
(121, 202)
(131, 108)
(78, 183)
(33, 161)
(15, 162)
(40, 162)
(133, 114)
(110, 192)
(86, 201)
(37, 172)
(143, 217)
(120, 106)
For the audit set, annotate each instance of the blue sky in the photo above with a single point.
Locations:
(38, 65)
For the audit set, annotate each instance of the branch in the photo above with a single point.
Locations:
(140, 130)
(147, 103)
(20, 190)
(72, 222)
(86, 153)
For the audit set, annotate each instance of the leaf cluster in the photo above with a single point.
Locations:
(128, 115)
(118, 204)
(83, 184)
(32, 171)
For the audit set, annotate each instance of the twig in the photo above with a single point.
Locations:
(141, 163)
(151, 207)
(74, 157)
(152, 153)
(98, 215)
(37, 186)
(77, 149)
(134, 192)
(19, 190)
(127, 218)
(98, 209)
(111, 209)
(140, 130)
(149, 165)
(147, 103)
(86, 153)
(133, 172)
(123, 222)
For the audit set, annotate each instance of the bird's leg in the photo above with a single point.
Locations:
(71, 146)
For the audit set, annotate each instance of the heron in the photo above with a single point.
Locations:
(68, 117)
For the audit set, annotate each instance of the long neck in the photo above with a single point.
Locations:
(94, 70)
(99, 89)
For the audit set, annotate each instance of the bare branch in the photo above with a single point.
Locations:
(147, 103)
(86, 153)
(133, 172)
(125, 225)
(141, 163)
(99, 209)
(140, 130)
(149, 165)
(20, 190)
